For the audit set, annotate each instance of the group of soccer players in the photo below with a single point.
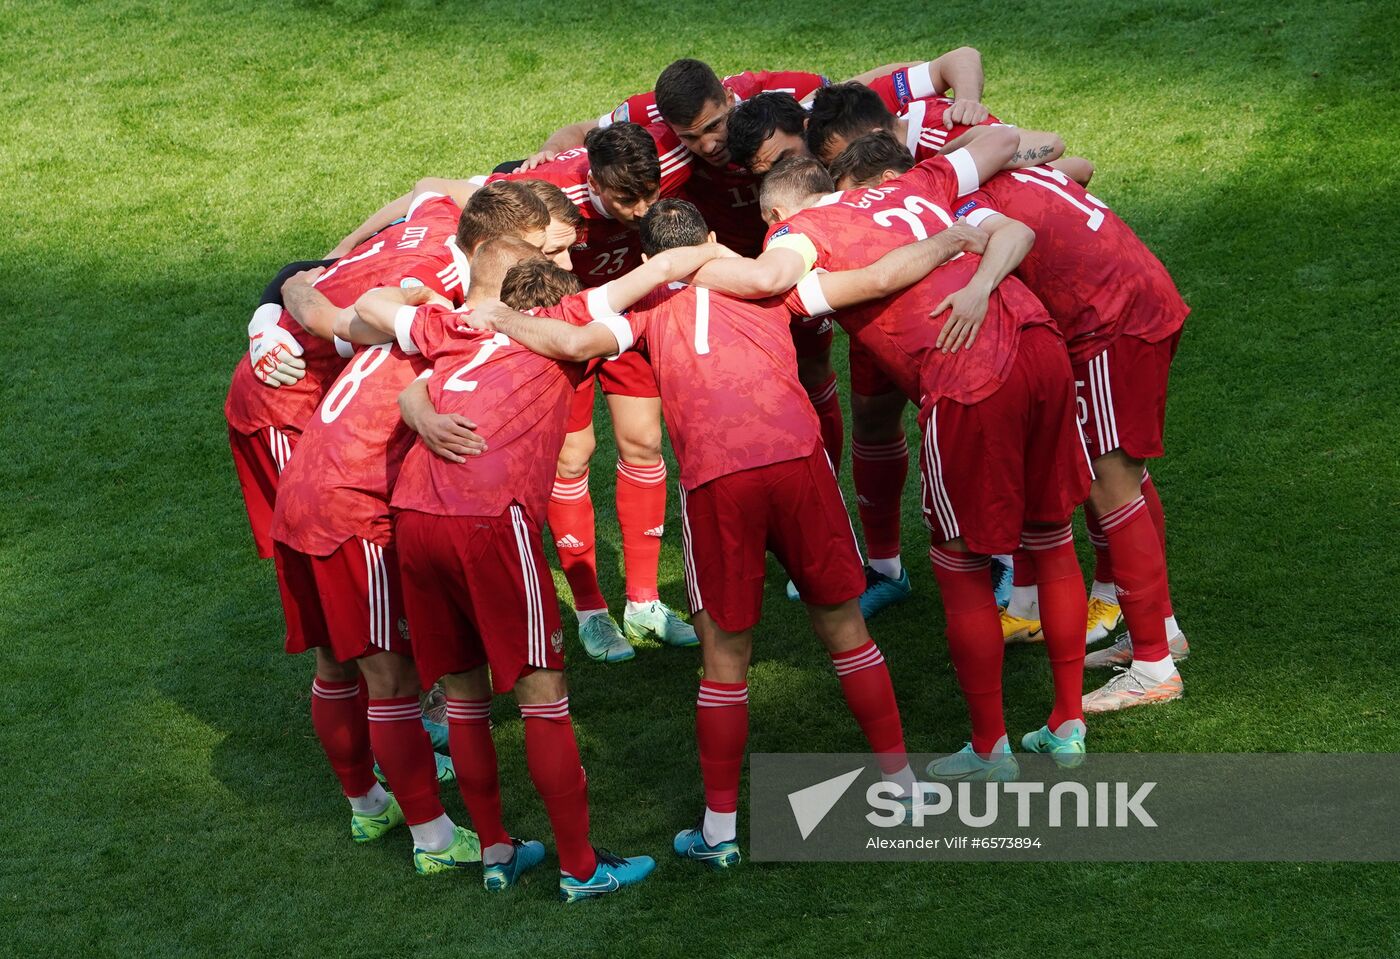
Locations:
(418, 406)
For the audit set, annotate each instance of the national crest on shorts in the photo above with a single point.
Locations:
(556, 640)
(403, 629)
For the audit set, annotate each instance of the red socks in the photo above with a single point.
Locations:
(722, 734)
(1140, 576)
(865, 682)
(1063, 609)
(879, 471)
(1103, 562)
(551, 752)
(405, 753)
(571, 522)
(827, 402)
(1159, 520)
(974, 639)
(641, 513)
(474, 757)
(338, 717)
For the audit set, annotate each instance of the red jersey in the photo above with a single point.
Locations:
(727, 372)
(926, 135)
(338, 483)
(641, 107)
(519, 401)
(606, 248)
(853, 229)
(1094, 275)
(419, 250)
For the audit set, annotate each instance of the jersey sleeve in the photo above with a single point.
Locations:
(804, 299)
(423, 329)
(627, 330)
(800, 84)
(638, 108)
(944, 179)
(675, 158)
(977, 207)
(898, 89)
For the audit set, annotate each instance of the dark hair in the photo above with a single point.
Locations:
(503, 208)
(495, 257)
(671, 223)
(557, 202)
(622, 158)
(792, 180)
(845, 111)
(534, 283)
(868, 156)
(684, 88)
(755, 120)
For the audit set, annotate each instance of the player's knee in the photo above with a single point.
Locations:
(640, 446)
(541, 686)
(331, 671)
(574, 456)
(390, 676)
(471, 685)
(1117, 481)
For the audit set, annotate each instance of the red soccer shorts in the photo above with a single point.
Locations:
(813, 338)
(867, 379)
(1016, 457)
(478, 592)
(628, 375)
(581, 409)
(259, 459)
(349, 601)
(793, 508)
(1122, 394)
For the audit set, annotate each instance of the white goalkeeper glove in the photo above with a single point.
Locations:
(274, 353)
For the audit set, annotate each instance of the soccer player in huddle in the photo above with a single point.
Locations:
(596, 194)
(726, 368)
(1003, 462)
(479, 596)
(1121, 317)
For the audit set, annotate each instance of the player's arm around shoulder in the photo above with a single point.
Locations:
(558, 339)
(1008, 242)
(900, 268)
(449, 435)
(775, 271)
(385, 314)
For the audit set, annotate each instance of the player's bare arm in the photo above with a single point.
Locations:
(555, 339)
(565, 138)
(1032, 146)
(773, 272)
(1078, 169)
(309, 306)
(397, 209)
(899, 268)
(1007, 245)
(666, 267)
(449, 435)
(371, 321)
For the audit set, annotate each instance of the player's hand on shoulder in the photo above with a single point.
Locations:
(969, 238)
(534, 160)
(302, 278)
(966, 113)
(424, 295)
(480, 316)
(450, 435)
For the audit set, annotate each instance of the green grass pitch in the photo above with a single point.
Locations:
(164, 794)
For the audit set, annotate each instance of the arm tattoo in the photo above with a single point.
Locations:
(1033, 155)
